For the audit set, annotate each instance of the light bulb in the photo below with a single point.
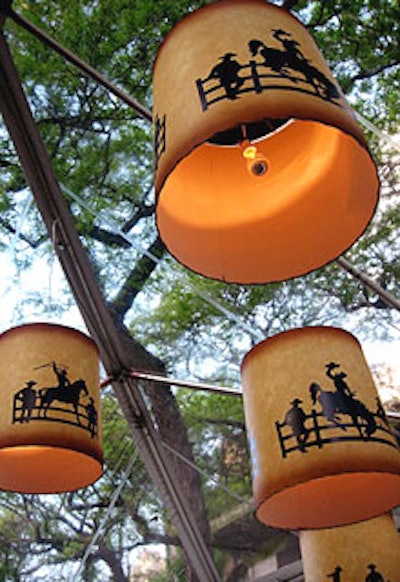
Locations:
(256, 163)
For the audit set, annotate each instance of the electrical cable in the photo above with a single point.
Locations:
(384, 137)
(206, 475)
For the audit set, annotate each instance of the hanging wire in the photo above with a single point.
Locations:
(17, 234)
(51, 265)
(106, 516)
(100, 529)
(388, 139)
(256, 334)
(207, 476)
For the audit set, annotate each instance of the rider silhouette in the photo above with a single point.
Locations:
(290, 45)
(298, 62)
(62, 377)
(338, 379)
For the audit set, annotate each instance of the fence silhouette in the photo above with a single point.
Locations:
(255, 76)
(318, 429)
(63, 412)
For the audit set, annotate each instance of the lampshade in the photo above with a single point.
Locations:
(323, 453)
(262, 173)
(364, 552)
(50, 430)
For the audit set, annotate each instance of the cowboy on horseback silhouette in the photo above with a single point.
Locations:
(343, 401)
(291, 58)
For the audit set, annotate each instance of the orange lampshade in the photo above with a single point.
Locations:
(367, 551)
(323, 453)
(50, 429)
(244, 72)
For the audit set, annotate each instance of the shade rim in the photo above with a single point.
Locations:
(91, 476)
(44, 325)
(385, 508)
(297, 331)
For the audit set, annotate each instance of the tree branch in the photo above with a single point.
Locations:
(385, 297)
(32, 243)
(108, 238)
(142, 212)
(289, 4)
(367, 74)
(112, 560)
(137, 278)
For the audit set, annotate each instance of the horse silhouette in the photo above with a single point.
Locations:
(281, 60)
(337, 402)
(70, 395)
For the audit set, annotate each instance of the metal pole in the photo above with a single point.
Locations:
(58, 220)
(224, 390)
(386, 297)
(80, 64)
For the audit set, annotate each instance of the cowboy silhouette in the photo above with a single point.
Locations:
(373, 576)
(227, 73)
(62, 377)
(27, 395)
(335, 575)
(295, 418)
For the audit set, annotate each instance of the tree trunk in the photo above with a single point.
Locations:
(113, 561)
(172, 430)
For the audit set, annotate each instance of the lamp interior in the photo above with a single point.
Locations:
(44, 469)
(316, 197)
(331, 501)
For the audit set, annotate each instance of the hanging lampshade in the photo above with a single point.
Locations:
(262, 173)
(50, 430)
(367, 551)
(323, 453)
